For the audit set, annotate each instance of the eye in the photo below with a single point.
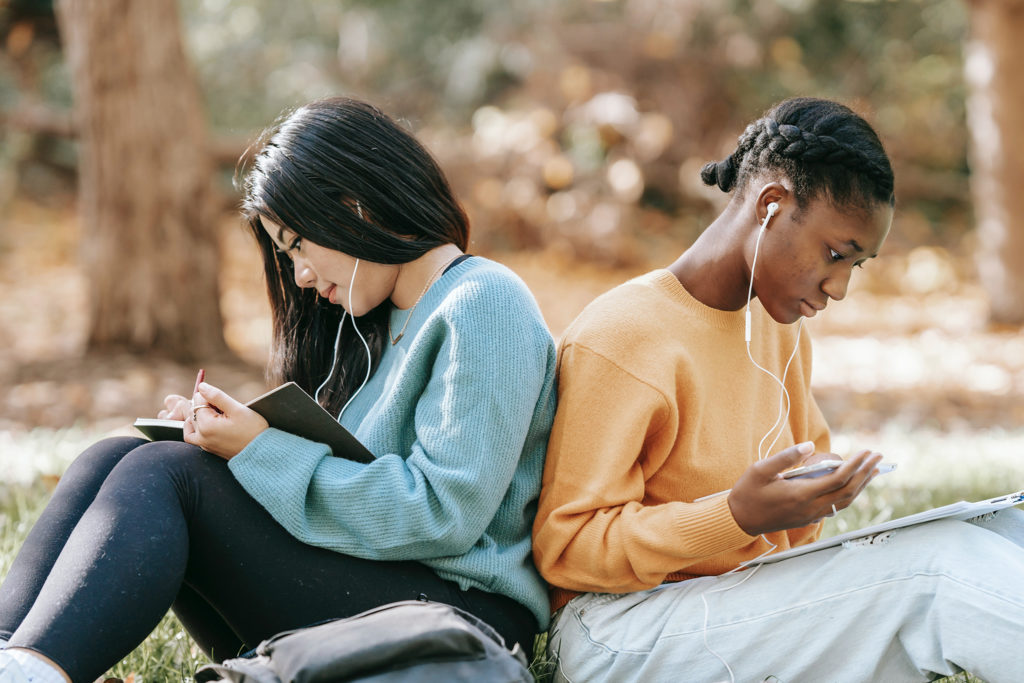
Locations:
(835, 257)
(294, 245)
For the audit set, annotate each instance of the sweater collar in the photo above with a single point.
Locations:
(668, 284)
(432, 298)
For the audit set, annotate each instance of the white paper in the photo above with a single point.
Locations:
(958, 510)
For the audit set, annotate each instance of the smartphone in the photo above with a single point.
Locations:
(824, 467)
(816, 470)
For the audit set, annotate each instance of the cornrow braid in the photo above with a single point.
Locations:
(789, 141)
(823, 147)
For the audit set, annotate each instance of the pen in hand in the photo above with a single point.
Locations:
(195, 389)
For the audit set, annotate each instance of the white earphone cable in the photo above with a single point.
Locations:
(337, 339)
(366, 346)
(334, 363)
(780, 422)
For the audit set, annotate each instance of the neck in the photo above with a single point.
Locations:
(715, 269)
(415, 277)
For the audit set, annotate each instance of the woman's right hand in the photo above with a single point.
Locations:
(175, 408)
(762, 501)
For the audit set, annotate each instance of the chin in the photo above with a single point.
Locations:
(786, 316)
(792, 319)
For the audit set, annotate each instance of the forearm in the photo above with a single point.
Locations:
(632, 547)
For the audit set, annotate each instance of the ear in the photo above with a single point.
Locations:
(776, 193)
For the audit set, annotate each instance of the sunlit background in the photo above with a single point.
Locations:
(574, 133)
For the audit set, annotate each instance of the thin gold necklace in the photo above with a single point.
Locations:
(433, 278)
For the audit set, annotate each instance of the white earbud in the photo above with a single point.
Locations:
(772, 209)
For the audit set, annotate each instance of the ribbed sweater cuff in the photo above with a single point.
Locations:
(709, 528)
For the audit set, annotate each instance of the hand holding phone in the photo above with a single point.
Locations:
(824, 467)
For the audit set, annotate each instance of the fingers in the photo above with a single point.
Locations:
(221, 425)
(207, 403)
(854, 473)
(762, 501)
(209, 395)
(189, 432)
(785, 459)
(172, 400)
(861, 469)
(175, 408)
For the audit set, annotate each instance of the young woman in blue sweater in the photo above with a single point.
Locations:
(438, 362)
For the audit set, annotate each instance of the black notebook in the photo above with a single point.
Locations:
(287, 408)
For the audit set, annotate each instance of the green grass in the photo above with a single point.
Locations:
(933, 469)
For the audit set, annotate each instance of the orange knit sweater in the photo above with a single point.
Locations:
(658, 406)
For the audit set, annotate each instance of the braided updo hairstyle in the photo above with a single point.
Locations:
(823, 147)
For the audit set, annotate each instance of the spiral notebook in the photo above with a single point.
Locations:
(958, 510)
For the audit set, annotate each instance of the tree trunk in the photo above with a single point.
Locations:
(995, 112)
(146, 201)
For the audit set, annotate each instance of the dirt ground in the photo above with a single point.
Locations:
(910, 345)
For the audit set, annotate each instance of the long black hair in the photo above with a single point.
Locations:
(340, 173)
(823, 147)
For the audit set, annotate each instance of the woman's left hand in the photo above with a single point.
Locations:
(220, 424)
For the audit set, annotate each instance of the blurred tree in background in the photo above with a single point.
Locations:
(148, 244)
(579, 126)
(996, 108)
(588, 120)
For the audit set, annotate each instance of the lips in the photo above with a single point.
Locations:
(809, 310)
(328, 293)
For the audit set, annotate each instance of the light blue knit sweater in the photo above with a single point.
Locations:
(458, 415)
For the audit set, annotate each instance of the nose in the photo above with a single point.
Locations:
(304, 275)
(836, 284)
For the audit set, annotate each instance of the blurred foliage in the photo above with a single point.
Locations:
(579, 125)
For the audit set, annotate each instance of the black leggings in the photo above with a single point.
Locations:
(136, 527)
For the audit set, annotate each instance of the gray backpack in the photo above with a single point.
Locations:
(403, 641)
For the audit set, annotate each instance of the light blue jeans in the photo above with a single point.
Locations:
(919, 603)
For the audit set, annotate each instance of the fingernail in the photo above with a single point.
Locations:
(805, 448)
(204, 385)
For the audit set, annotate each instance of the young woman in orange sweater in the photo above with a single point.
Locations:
(684, 395)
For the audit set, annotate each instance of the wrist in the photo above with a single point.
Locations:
(739, 514)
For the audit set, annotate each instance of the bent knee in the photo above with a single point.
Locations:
(174, 459)
(954, 547)
(99, 459)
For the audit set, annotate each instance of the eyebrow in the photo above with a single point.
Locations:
(859, 249)
(281, 242)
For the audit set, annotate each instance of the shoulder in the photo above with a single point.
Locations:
(622, 318)
(484, 292)
(648, 328)
(484, 281)
(484, 310)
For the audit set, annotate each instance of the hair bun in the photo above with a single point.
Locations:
(721, 173)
